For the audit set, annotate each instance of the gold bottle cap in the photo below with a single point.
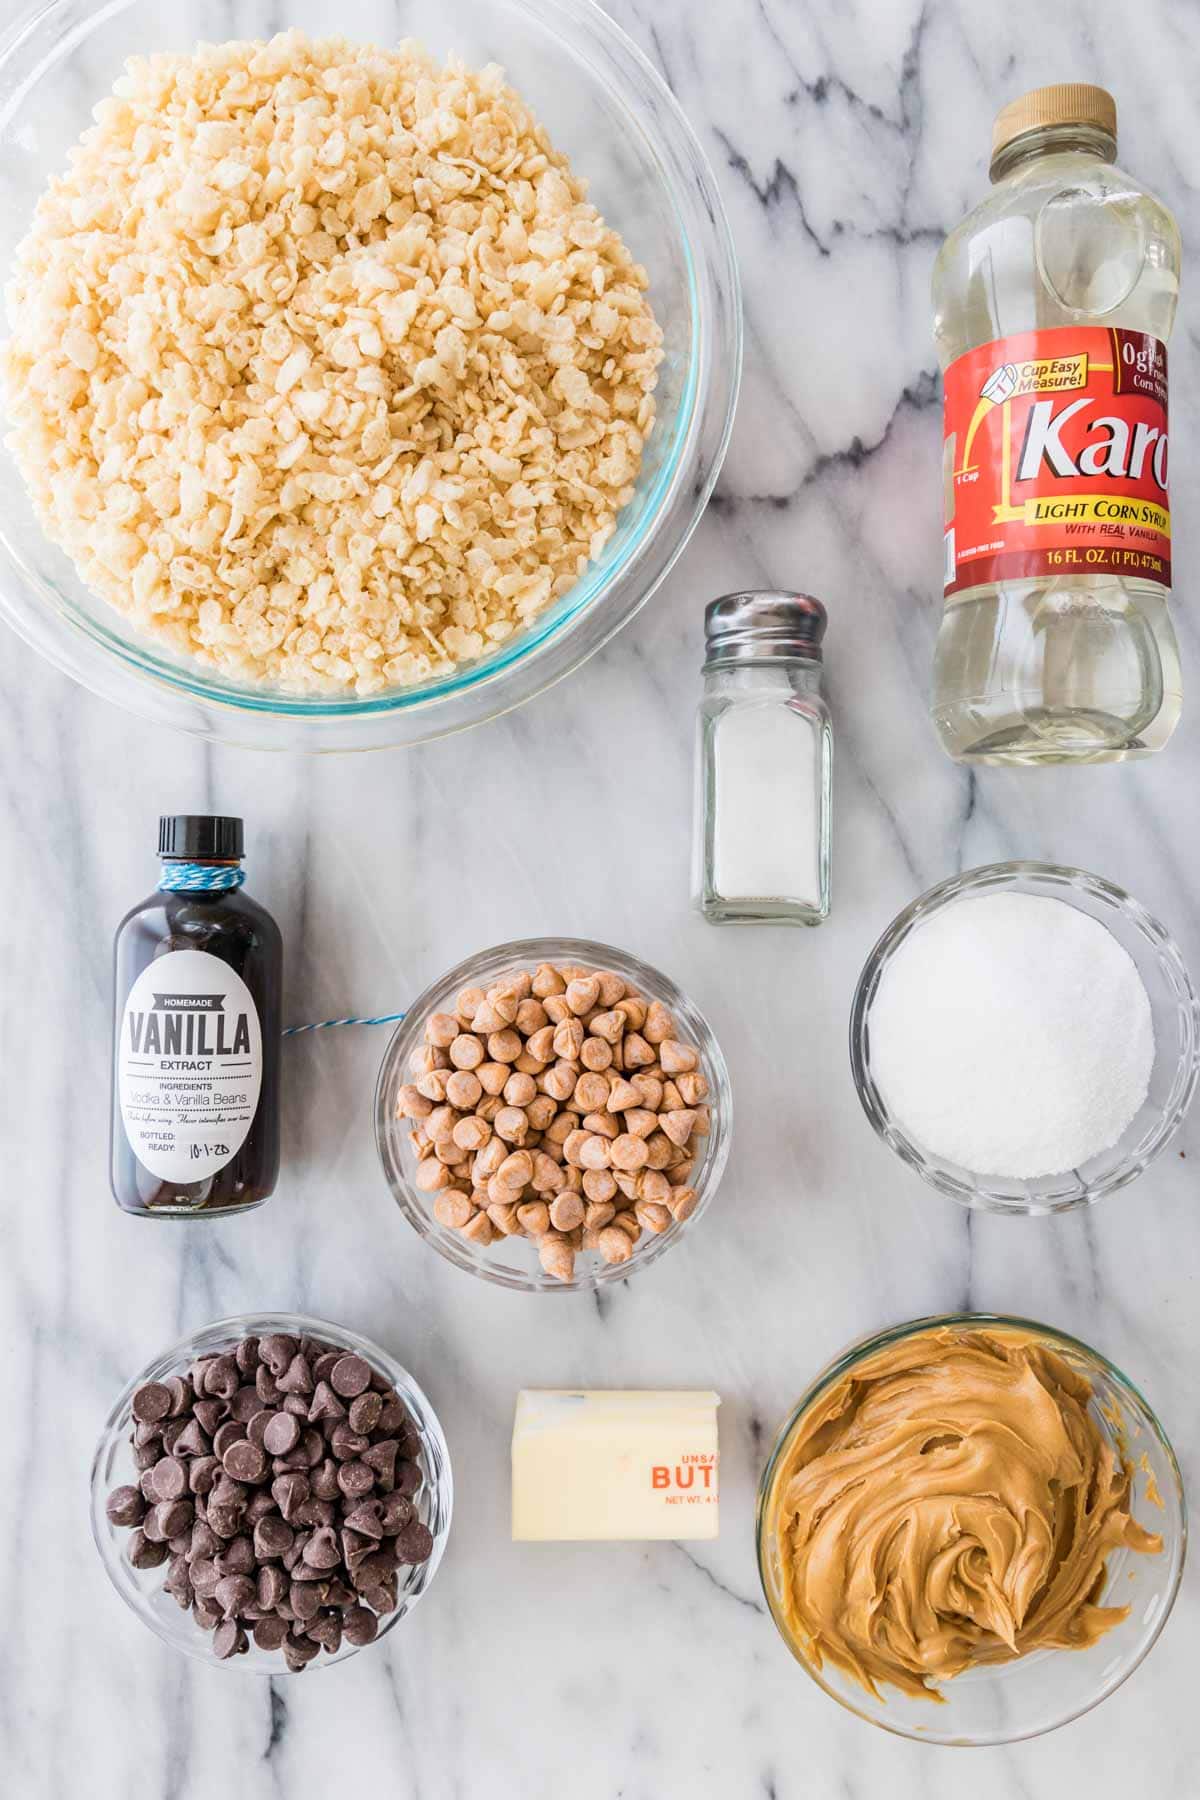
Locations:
(1069, 103)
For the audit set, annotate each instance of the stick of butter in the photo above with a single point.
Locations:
(621, 1463)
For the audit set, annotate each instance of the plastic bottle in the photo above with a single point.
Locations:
(1053, 301)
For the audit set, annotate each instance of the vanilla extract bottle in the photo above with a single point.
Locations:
(196, 1033)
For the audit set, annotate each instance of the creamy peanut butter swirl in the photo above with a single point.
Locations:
(950, 1503)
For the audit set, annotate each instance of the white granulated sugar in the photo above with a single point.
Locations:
(1012, 1035)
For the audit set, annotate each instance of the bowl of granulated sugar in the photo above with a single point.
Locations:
(1026, 1037)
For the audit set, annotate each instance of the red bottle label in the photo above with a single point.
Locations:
(1055, 458)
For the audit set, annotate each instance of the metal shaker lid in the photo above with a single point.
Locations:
(761, 625)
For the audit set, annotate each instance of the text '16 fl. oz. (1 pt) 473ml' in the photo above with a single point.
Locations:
(1053, 301)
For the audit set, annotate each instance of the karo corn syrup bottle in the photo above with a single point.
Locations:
(1053, 301)
(196, 1033)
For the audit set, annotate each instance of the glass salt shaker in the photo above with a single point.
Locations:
(764, 764)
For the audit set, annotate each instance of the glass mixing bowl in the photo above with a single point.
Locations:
(1174, 1009)
(512, 1262)
(608, 110)
(1004, 1702)
(113, 1466)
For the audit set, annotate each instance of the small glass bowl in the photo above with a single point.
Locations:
(113, 1466)
(1173, 1005)
(606, 108)
(513, 1262)
(1004, 1702)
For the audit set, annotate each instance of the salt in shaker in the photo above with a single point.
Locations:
(764, 764)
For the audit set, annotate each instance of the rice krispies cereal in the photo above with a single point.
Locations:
(321, 367)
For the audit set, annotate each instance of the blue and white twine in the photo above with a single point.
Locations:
(197, 877)
(324, 1024)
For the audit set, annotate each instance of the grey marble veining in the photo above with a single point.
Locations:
(846, 138)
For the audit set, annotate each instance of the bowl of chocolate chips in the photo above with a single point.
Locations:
(273, 1493)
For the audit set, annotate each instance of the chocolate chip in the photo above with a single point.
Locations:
(151, 1403)
(210, 1413)
(326, 1630)
(256, 1425)
(316, 1512)
(325, 1404)
(397, 1511)
(244, 1405)
(233, 1592)
(246, 1355)
(270, 1633)
(394, 1416)
(324, 1480)
(281, 1433)
(415, 1543)
(360, 1626)
(364, 1413)
(298, 1652)
(350, 1376)
(205, 1575)
(366, 1519)
(222, 1378)
(260, 1503)
(323, 1365)
(231, 1432)
(226, 1521)
(206, 1613)
(347, 1444)
(145, 1456)
(265, 1385)
(355, 1479)
(227, 1491)
(191, 1441)
(322, 1550)
(272, 1587)
(152, 1527)
(297, 1378)
(273, 1536)
(236, 1557)
(204, 1541)
(144, 1552)
(228, 1639)
(170, 1478)
(174, 1517)
(245, 1461)
(180, 1390)
(304, 1599)
(290, 1491)
(408, 1478)
(125, 1506)
(202, 1474)
(382, 1458)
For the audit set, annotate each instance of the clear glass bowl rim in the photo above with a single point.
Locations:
(407, 1035)
(966, 1187)
(109, 1539)
(130, 672)
(850, 1358)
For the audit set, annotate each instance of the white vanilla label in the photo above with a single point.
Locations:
(189, 1065)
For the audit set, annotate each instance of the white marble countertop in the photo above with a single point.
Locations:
(847, 138)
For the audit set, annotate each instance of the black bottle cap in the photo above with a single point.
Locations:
(204, 837)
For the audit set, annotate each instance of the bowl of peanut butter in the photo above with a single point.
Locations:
(971, 1529)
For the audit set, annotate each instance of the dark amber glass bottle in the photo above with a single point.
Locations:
(198, 982)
